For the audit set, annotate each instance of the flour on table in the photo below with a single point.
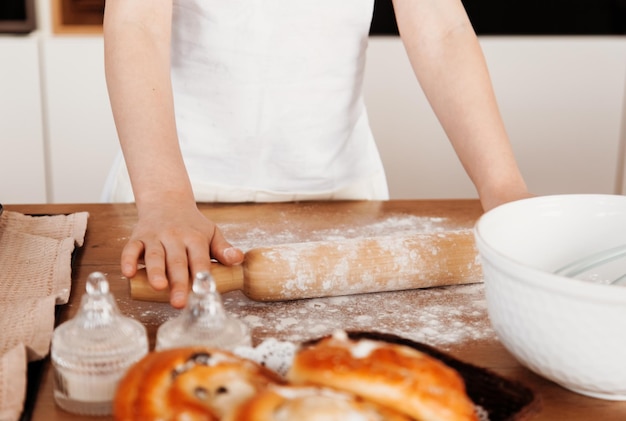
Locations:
(440, 316)
(148, 313)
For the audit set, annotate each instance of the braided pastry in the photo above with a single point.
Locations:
(194, 383)
(310, 403)
(391, 375)
(335, 378)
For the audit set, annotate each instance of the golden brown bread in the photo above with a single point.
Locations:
(194, 383)
(310, 403)
(391, 375)
(335, 378)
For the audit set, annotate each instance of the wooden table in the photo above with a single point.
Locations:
(452, 319)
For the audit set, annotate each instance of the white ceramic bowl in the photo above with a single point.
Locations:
(570, 331)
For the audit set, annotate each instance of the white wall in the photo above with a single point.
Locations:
(80, 129)
(22, 158)
(562, 99)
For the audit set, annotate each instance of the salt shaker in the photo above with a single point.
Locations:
(203, 321)
(91, 352)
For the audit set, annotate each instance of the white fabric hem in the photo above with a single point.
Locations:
(373, 187)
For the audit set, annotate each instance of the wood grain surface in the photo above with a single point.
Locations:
(453, 319)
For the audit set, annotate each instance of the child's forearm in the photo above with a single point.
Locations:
(137, 63)
(449, 64)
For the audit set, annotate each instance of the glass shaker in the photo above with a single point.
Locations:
(203, 321)
(91, 352)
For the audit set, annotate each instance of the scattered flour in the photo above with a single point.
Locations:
(443, 317)
(440, 316)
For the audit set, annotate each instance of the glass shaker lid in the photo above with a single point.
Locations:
(203, 321)
(99, 330)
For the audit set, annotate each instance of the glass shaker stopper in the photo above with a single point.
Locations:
(91, 352)
(203, 321)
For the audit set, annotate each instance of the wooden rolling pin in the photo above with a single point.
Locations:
(343, 267)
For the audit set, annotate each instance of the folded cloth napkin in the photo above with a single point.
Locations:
(35, 275)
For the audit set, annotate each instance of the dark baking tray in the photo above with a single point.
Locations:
(501, 398)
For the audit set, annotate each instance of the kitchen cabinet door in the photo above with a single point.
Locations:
(562, 100)
(81, 132)
(22, 162)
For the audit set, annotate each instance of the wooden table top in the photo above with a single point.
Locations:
(452, 319)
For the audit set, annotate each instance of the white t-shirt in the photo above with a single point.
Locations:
(268, 95)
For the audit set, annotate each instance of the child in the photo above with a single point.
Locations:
(261, 100)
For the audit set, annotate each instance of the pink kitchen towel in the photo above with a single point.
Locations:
(35, 276)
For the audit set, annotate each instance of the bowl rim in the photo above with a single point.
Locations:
(542, 278)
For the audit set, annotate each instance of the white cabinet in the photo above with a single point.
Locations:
(561, 99)
(22, 162)
(563, 102)
(418, 159)
(57, 136)
(82, 141)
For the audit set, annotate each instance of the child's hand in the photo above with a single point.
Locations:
(176, 242)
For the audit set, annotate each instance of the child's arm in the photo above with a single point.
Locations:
(450, 67)
(171, 234)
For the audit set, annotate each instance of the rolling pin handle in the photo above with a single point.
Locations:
(227, 278)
